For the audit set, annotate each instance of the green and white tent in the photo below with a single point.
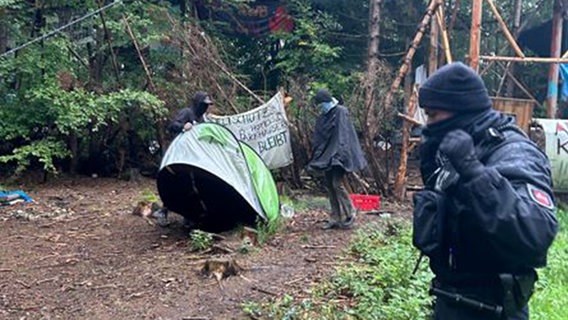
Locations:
(215, 180)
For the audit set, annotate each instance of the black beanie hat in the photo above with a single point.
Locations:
(454, 87)
(322, 96)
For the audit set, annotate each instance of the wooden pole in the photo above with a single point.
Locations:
(475, 34)
(505, 30)
(517, 14)
(555, 47)
(140, 56)
(526, 59)
(411, 51)
(520, 85)
(109, 43)
(445, 39)
(433, 56)
(454, 16)
(400, 179)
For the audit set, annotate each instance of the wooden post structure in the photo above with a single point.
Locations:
(475, 34)
(400, 179)
(430, 11)
(505, 30)
(555, 47)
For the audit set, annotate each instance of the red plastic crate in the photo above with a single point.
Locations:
(365, 202)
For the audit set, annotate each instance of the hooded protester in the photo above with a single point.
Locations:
(336, 152)
(184, 121)
(486, 217)
(189, 116)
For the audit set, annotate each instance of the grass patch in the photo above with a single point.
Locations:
(550, 300)
(267, 229)
(200, 240)
(376, 285)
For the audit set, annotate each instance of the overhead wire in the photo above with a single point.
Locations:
(55, 31)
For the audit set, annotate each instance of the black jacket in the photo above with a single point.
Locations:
(502, 220)
(193, 114)
(335, 142)
(184, 115)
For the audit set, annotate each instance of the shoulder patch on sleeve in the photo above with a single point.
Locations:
(541, 197)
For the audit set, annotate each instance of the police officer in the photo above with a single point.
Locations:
(486, 216)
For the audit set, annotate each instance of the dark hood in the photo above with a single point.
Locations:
(201, 101)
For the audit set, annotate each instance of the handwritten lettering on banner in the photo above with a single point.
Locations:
(265, 129)
(556, 132)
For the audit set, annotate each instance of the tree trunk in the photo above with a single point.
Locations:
(370, 98)
(372, 59)
(3, 30)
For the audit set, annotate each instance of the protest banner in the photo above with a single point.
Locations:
(557, 150)
(265, 129)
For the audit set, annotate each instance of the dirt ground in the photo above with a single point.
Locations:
(79, 253)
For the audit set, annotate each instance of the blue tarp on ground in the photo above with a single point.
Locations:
(22, 194)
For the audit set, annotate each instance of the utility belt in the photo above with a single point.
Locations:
(503, 300)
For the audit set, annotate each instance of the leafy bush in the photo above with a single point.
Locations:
(45, 151)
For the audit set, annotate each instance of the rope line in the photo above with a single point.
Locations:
(51, 33)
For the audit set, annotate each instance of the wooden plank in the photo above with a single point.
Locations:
(525, 59)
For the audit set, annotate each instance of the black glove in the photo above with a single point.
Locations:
(458, 147)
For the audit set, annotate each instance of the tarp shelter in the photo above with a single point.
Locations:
(217, 181)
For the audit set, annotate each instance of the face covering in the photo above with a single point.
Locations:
(326, 106)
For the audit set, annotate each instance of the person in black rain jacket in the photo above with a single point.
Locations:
(185, 119)
(487, 215)
(336, 151)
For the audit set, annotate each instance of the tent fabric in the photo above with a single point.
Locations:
(215, 180)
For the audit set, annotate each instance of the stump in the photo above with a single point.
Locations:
(220, 268)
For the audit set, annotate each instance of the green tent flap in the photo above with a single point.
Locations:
(263, 183)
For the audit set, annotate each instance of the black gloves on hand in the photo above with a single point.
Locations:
(458, 147)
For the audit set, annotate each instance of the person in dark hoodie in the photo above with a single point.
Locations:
(184, 121)
(486, 217)
(336, 152)
(189, 116)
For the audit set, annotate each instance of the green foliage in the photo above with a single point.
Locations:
(44, 151)
(305, 50)
(149, 196)
(378, 285)
(267, 229)
(550, 301)
(200, 240)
